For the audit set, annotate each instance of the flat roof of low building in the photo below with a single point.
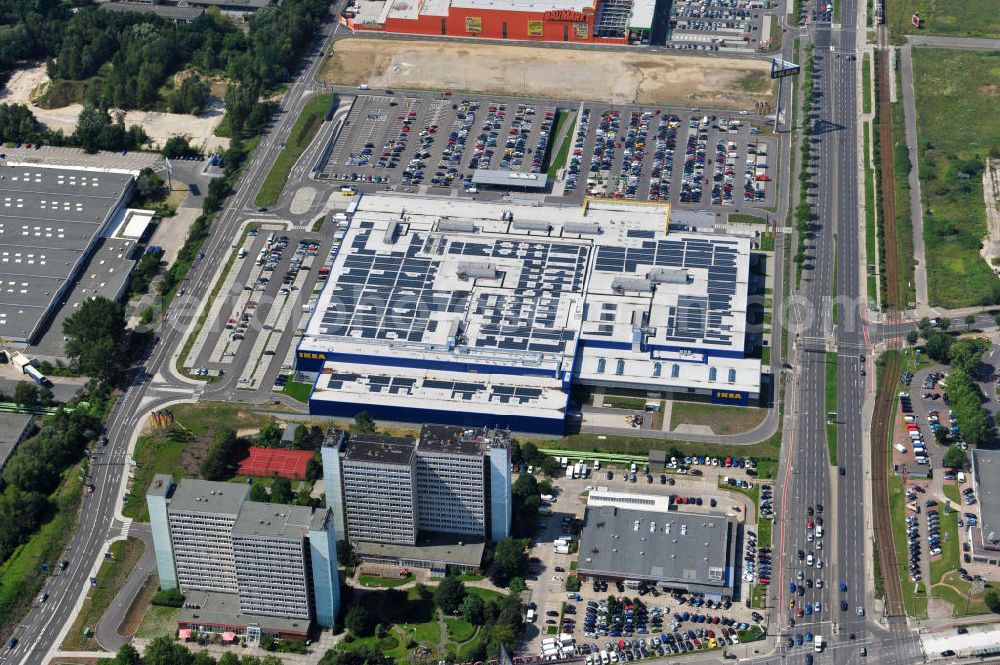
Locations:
(642, 14)
(162, 485)
(672, 548)
(50, 220)
(13, 428)
(498, 178)
(207, 496)
(172, 12)
(223, 609)
(266, 520)
(378, 449)
(433, 547)
(986, 473)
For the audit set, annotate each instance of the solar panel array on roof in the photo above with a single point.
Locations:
(695, 318)
(391, 295)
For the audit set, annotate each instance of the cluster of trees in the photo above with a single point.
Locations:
(499, 620)
(30, 395)
(165, 651)
(803, 213)
(18, 123)
(965, 358)
(530, 454)
(35, 470)
(223, 455)
(96, 340)
(992, 599)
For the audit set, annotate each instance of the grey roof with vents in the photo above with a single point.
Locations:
(612, 546)
(206, 496)
(268, 520)
(50, 221)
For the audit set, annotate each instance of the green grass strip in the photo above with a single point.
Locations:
(302, 134)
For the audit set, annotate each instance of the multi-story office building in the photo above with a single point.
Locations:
(450, 482)
(378, 485)
(272, 559)
(265, 568)
(407, 492)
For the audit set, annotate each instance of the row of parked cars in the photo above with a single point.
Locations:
(489, 137)
(693, 175)
(573, 170)
(663, 158)
(756, 564)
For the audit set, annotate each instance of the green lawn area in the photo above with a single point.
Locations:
(743, 218)
(949, 547)
(459, 630)
(621, 402)
(956, 591)
(767, 241)
(720, 418)
(110, 578)
(831, 405)
(968, 18)
(640, 447)
(384, 582)
(206, 417)
(957, 125)
(302, 134)
(470, 577)
(558, 160)
(485, 594)
(155, 453)
(915, 602)
(866, 84)
(20, 576)
(871, 228)
(298, 390)
(954, 494)
(904, 219)
(158, 621)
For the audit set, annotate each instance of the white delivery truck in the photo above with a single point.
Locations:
(569, 472)
(562, 549)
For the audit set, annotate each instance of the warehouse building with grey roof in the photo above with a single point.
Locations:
(52, 221)
(639, 539)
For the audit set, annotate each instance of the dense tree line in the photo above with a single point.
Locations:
(96, 341)
(35, 470)
(165, 651)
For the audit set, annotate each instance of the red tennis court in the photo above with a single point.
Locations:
(269, 463)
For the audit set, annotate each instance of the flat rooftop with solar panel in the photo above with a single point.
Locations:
(52, 221)
(478, 313)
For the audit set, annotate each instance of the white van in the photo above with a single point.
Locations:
(961, 476)
(900, 447)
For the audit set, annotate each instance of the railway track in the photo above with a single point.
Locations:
(884, 399)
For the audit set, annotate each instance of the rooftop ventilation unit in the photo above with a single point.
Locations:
(592, 228)
(532, 225)
(456, 225)
(668, 276)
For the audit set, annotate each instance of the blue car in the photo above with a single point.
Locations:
(809, 608)
(843, 586)
(798, 639)
(791, 587)
(809, 637)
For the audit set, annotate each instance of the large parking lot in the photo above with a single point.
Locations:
(435, 143)
(438, 142)
(713, 24)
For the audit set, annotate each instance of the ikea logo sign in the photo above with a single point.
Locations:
(729, 397)
(309, 355)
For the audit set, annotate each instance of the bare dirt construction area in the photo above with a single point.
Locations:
(619, 77)
(26, 84)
